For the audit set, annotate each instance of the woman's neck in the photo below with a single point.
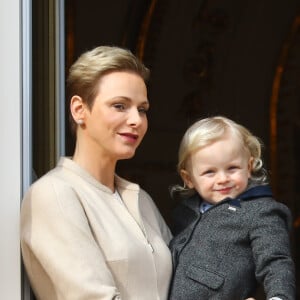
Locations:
(100, 167)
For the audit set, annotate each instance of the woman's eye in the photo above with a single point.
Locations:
(143, 110)
(119, 106)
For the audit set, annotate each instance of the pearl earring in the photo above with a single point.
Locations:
(79, 122)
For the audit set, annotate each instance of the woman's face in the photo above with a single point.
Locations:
(117, 122)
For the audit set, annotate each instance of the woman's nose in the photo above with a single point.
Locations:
(134, 117)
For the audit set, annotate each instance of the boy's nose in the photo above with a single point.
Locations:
(222, 177)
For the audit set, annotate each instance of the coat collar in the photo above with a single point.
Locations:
(251, 193)
(255, 192)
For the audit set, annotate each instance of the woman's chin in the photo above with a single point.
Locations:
(127, 155)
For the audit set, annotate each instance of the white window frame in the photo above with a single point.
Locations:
(27, 175)
(15, 131)
(11, 147)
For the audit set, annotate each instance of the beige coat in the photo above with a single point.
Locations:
(80, 242)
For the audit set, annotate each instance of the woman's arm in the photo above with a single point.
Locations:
(61, 257)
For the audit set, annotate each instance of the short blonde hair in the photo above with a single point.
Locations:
(209, 130)
(88, 69)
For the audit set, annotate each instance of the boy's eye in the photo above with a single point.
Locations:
(233, 168)
(208, 172)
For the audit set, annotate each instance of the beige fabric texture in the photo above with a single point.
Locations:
(79, 242)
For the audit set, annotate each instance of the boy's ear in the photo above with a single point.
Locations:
(77, 108)
(186, 178)
(250, 166)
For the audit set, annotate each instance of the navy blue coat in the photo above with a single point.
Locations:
(225, 252)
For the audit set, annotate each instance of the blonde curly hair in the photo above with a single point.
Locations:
(209, 130)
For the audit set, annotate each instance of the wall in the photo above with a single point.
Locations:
(10, 149)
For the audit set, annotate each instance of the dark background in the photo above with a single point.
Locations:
(240, 59)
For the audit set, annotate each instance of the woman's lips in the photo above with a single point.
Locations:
(130, 137)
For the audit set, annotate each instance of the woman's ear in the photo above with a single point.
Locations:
(77, 108)
(186, 178)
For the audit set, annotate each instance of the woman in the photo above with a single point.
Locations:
(85, 232)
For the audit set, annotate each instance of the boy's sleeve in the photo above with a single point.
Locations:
(270, 240)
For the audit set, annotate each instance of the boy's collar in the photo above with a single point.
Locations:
(252, 192)
(256, 191)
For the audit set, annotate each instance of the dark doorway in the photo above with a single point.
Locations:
(236, 58)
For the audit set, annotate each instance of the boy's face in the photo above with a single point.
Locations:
(219, 170)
